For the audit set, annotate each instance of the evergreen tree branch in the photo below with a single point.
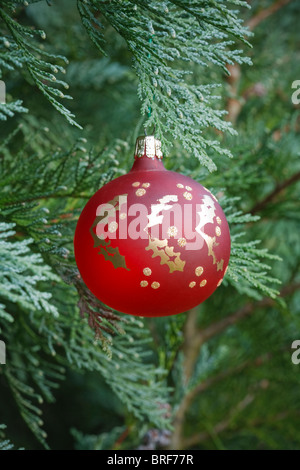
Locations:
(5, 444)
(100, 318)
(10, 109)
(26, 52)
(194, 338)
(265, 13)
(179, 420)
(162, 39)
(184, 443)
(222, 426)
(201, 336)
(235, 103)
(260, 205)
(218, 428)
(190, 345)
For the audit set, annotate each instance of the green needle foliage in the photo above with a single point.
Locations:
(77, 374)
(162, 36)
(24, 50)
(5, 444)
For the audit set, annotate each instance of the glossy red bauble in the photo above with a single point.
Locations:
(152, 242)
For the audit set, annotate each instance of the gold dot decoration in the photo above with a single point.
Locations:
(144, 283)
(123, 215)
(220, 282)
(181, 242)
(219, 221)
(199, 270)
(187, 196)
(140, 192)
(155, 285)
(147, 271)
(113, 227)
(218, 231)
(180, 186)
(203, 283)
(146, 185)
(136, 184)
(192, 284)
(188, 188)
(172, 231)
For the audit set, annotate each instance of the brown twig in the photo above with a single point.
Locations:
(100, 318)
(190, 352)
(198, 438)
(195, 338)
(219, 326)
(176, 442)
(234, 102)
(263, 14)
(277, 190)
(222, 425)
(190, 345)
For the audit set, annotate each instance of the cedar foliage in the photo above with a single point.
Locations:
(79, 375)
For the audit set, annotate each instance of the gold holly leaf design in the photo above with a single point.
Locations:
(220, 265)
(113, 254)
(211, 243)
(109, 212)
(110, 253)
(207, 214)
(166, 253)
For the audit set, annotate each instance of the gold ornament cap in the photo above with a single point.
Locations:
(148, 146)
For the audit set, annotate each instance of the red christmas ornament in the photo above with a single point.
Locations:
(152, 242)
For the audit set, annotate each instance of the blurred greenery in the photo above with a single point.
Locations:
(224, 368)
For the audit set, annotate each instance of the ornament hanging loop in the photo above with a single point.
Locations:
(153, 132)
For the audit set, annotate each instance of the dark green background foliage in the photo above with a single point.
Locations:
(81, 79)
